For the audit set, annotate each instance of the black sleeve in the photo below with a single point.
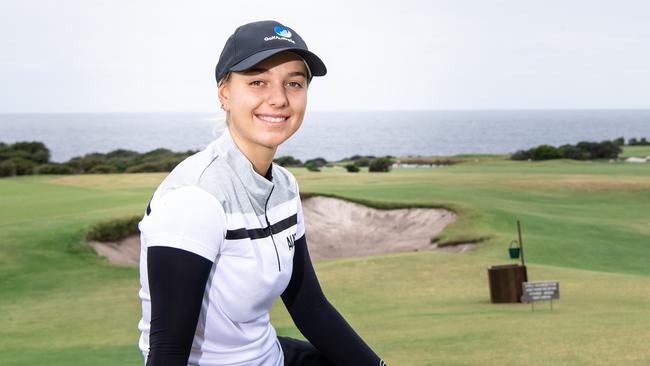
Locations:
(177, 281)
(318, 320)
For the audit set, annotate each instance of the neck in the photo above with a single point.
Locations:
(260, 157)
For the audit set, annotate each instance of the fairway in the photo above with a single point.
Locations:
(585, 224)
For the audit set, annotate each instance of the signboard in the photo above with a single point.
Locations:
(537, 291)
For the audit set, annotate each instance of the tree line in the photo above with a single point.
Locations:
(583, 150)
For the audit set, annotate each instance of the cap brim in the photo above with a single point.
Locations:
(316, 66)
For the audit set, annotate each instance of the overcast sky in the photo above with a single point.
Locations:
(149, 56)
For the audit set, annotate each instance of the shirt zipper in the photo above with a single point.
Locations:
(268, 224)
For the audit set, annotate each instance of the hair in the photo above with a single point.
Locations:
(225, 78)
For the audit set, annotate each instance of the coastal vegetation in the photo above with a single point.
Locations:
(33, 157)
(583, 150)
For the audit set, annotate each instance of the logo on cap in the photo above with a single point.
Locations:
(282, 32)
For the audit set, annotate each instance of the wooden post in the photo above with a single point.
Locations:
(521, 244)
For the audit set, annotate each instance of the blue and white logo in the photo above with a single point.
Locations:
(282, 32)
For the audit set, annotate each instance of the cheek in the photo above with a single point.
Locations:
(243, 99)
(299, 102)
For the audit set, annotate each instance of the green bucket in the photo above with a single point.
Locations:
(514, 251)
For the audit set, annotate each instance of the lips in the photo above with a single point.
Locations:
(272, 118)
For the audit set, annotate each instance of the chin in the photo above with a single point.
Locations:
(273, 141)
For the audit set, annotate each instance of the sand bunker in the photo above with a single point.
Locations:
(339, 229)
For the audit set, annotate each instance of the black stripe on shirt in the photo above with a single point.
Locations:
(264, 232)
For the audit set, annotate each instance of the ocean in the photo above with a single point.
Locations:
(333, 135)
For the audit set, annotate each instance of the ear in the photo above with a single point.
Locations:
(224, 95)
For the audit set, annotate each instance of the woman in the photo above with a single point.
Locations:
(223, 235)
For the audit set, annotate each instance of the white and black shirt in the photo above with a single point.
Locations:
(246, 231)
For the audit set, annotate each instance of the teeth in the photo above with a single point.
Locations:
(272, 119)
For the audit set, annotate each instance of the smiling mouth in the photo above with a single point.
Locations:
(272, 119)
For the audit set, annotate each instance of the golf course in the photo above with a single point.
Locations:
(585, 224)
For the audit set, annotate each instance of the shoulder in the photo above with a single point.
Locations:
(192, 171)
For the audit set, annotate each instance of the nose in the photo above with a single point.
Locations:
(277, 96)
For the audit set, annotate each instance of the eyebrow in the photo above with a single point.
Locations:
(258, 70)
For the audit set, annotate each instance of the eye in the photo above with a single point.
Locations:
(256, 83)
(295, 85)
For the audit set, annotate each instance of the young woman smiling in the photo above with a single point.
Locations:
(223, 235)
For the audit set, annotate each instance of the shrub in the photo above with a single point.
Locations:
(600, 150)
(166, 164)
(573, 152)
(380, 165)
(7, 153)
(287, 160)
(83, 164)
(633, 141)
(113, 230)
(103, 169)
(362, 162)
(351, 168)
(53, 168)
(156, 153)
(545, 152)
(521, 155)
(36, 151)
(312, 166)
(620, 141)
(320, 162)
(23, 166)
(7, 168)
(122, 153)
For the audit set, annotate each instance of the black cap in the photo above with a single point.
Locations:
(254, 42)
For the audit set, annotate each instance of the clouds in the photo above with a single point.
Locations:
(82, 56)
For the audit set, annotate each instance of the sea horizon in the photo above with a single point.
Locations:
(333, 135)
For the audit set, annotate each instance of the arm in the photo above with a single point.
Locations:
(177, 281)
(183, 231)
(318, 320)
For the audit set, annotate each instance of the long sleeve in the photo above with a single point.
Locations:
(177, 280)
(318, 320)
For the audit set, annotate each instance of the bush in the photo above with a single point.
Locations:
(7, 153)
(103, 169)
(573, 152)
(122, 153)
(287, 161)
(156, 153)
(545, 152)
(83, 164)
(312, 166)
(53, 168)
(36, 151)
(362, 162)
(113, 230)
(351, 168)
(380, 165)
(7, 168)
(521, 155)
(633, 141)
(23, 166)
(320, 162)
(166, 164)
(601, 150)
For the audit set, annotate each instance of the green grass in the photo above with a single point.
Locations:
(637, 151)
(586, 225)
